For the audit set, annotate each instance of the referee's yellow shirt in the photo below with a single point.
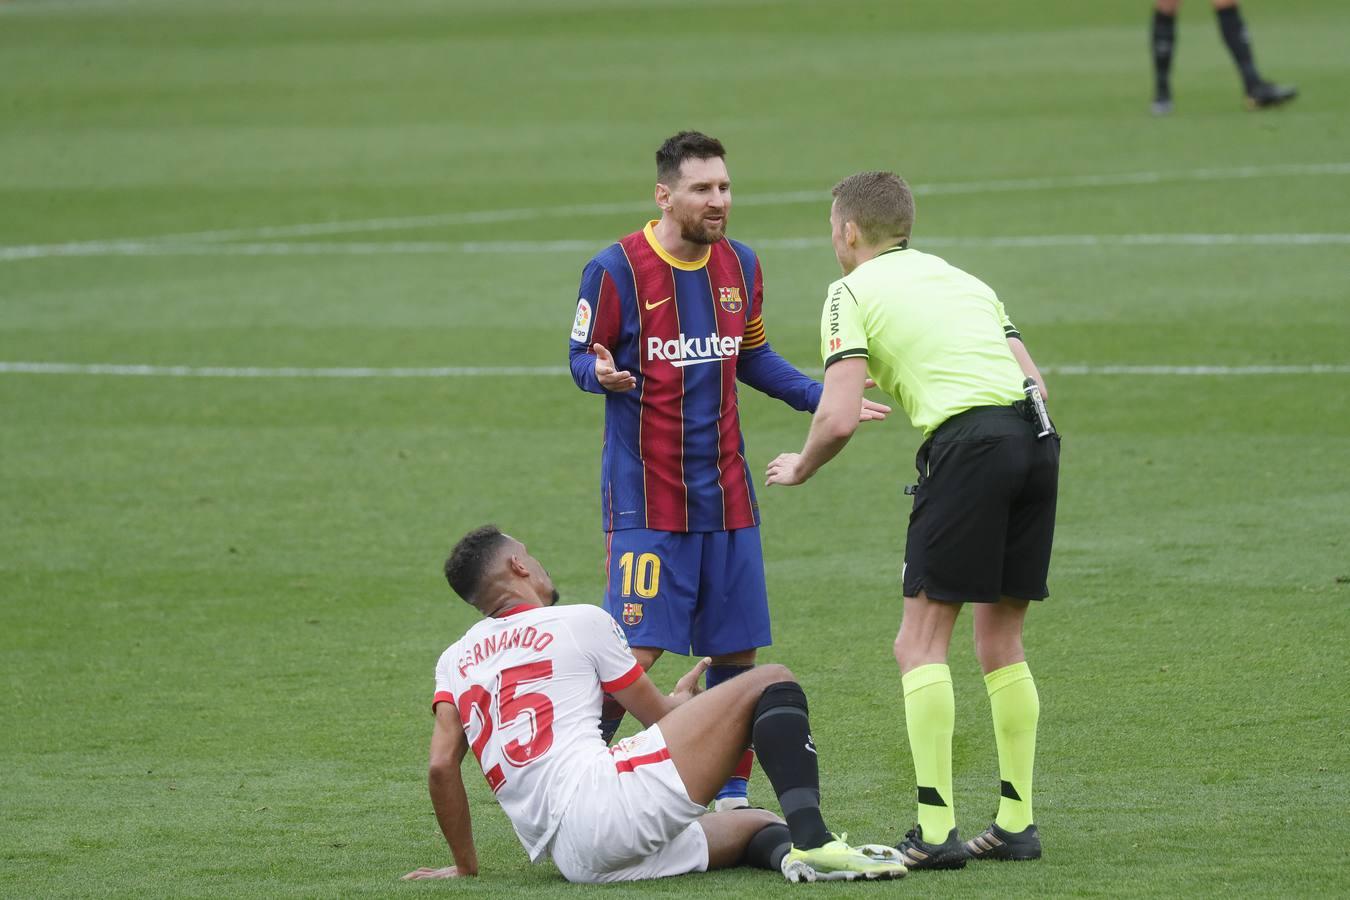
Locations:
(934, 337)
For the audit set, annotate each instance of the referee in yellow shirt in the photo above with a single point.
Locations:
(938, 340)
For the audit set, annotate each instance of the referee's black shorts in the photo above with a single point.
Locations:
(984, 510)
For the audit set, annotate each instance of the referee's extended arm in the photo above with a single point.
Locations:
(1027, 364)
(833, 424)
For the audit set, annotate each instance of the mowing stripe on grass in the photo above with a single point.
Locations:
(149, 371)
(479, 217)
(397, 248)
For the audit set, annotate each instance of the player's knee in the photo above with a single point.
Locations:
(771, 674)
(778, 695)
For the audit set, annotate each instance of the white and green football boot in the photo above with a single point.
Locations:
(837, 861)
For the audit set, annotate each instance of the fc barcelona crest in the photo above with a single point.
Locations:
(730, 298)
(632, 613)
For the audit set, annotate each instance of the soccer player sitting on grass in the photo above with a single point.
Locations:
(522, 689)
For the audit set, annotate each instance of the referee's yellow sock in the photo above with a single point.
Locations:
(1016, 709)
(930, 716)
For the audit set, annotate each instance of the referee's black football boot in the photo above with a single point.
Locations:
(919, 854)
(1265, 94)
(995, 843)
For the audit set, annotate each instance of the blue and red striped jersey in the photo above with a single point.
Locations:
(674, 457)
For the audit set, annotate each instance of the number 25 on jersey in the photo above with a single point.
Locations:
(475, 711)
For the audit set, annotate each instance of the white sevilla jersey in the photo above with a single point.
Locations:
(528, 686)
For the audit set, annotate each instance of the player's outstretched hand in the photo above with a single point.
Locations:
(607, 373)
(784, 470)
(426, 873)
(871, 410)
(690, 685)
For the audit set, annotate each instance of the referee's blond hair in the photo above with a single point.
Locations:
(879, 203)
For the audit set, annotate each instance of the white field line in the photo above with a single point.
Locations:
(147, 371)
(478, 217)
(402, 248)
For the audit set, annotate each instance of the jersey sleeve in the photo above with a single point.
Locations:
(755, 336)
(1009, 329)
(763, 369)
(444, 686)
(596, 321)
(842, 335)
(603, 643)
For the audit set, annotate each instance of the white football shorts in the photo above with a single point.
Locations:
(630, 818)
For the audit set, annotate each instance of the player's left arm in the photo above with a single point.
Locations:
(648, 705)
(764, 370)
(833, 424)
(448, 797)
(1027, 364)
(1019, 350)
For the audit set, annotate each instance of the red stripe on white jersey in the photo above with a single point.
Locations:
(623, 681)
(646, 759)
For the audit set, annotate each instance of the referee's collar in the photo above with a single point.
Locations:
(903, 245)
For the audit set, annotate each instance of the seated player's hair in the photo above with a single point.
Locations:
(470, 558)
(879, 203)
(682, 146)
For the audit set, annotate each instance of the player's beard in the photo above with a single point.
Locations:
(698, 231)
(553, 599)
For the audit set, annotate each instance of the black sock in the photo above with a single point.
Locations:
(768, 847)
(611, 715)
(1235, 36)
(782, 737)
(1164, 38)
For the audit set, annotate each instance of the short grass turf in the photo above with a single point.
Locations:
(220, 601)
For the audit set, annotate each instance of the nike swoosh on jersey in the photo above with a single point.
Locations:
(681, 363)
(650, 305)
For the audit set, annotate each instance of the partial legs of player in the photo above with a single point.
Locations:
(706, 738)
(930, 718)
(734, 793)
(1260, 93)
(1015, 707)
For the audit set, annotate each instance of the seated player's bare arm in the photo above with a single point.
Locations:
(648, 705)
(448, 797)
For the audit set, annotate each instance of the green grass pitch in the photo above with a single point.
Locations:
(220, 599)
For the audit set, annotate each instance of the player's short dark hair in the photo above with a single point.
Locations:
(879, 203)
(467, 562)
(682, 146)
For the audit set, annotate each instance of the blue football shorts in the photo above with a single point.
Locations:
(699, 593)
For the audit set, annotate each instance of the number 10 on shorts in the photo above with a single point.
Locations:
(644, 578)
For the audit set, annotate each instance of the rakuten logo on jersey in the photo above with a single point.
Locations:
(690, 351)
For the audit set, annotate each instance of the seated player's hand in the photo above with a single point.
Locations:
(611, 378)
(690, 685)
(785, 469)
(426, 873)
(871, 410)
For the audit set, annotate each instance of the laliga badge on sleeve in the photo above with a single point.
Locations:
(581, 327)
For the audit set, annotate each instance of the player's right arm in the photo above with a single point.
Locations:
(594, 332)
(448, 797)
(648, 705)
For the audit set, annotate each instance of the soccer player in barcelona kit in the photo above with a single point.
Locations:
(938, 340)
(522, 690)
(668, 320)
